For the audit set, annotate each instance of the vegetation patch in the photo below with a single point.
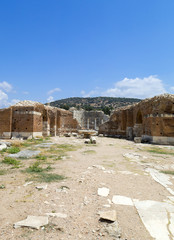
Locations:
(41, 157)
(160, 151)
(36, 168)
(46, 177)
(11, 161)
(13, 150)
(168, 172)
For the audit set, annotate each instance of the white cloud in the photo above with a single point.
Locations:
(50, 99)
(137, 88)
(172, 89)
(54, 90)
(6, 86)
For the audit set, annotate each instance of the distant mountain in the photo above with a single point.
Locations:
(106, 104)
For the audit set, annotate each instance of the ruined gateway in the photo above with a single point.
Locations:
(151, 119)
(32, 119)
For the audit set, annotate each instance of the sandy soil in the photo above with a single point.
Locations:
(79, 199)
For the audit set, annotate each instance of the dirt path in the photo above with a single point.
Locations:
(119, 165)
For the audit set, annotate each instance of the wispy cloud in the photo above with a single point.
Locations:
(7, 87)
(172, 89)
(50, 99)
(53, 91)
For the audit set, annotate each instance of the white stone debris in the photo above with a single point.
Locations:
(99, 167)
(87, 141)
(93, 140)
(109, 215)
(2, 146)
(104, 192)
(121, 200)
(32, 222)
(40, 187)
(27, 183)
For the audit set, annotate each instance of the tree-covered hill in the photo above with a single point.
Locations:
(107, 104)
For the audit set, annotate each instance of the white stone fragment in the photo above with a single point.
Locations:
(122, 200)
(27, 183)
(32, 222)
(99, 167)
(104, 192)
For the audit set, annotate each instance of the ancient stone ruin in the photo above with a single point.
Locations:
(90, 119)
(151, 119)
(32, 119)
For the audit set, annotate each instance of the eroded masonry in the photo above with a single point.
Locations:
(151, 119)
(32, 119)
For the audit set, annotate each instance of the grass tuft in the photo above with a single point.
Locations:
(47, 177)
(41, 157)
(11, 161)
(160, 151)
(3, 172)
(168, 172)
(13, 150)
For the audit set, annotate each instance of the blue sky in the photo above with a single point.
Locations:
(53, 49)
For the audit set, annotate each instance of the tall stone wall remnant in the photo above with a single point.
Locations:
(30, 119)
(151, 119)
(90, 119)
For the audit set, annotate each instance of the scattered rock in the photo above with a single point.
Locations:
(87, 141)
(24, 154)
(41, 187)
(113, 230)
(2, 146)
(27, 183)
(99, 167)
(104, 192)
(6, 143)
(109, 215)
(137, 139)
(45, 145)
(67, 135)
(32, 222)
(93, 140)
(74, 134)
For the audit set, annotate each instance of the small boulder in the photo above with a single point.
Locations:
(87, 141)
(93, 140)
(137, 139)
(109, 215)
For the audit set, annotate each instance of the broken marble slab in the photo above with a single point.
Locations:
(161, 178)
(158, 218)
(32, 222)
(108, 215)
(104, 192)
(59, 215)
(122, 200)
(24, 154)
(45, 145)
(99, 167)
(2, 146)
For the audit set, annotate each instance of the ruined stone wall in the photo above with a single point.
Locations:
(90, 119)
(67, 122)
(5, 123)
(151, 119)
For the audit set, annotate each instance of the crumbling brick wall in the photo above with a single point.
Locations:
(152, 119)
(5, 123)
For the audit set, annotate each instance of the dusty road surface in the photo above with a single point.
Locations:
(72, 183)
